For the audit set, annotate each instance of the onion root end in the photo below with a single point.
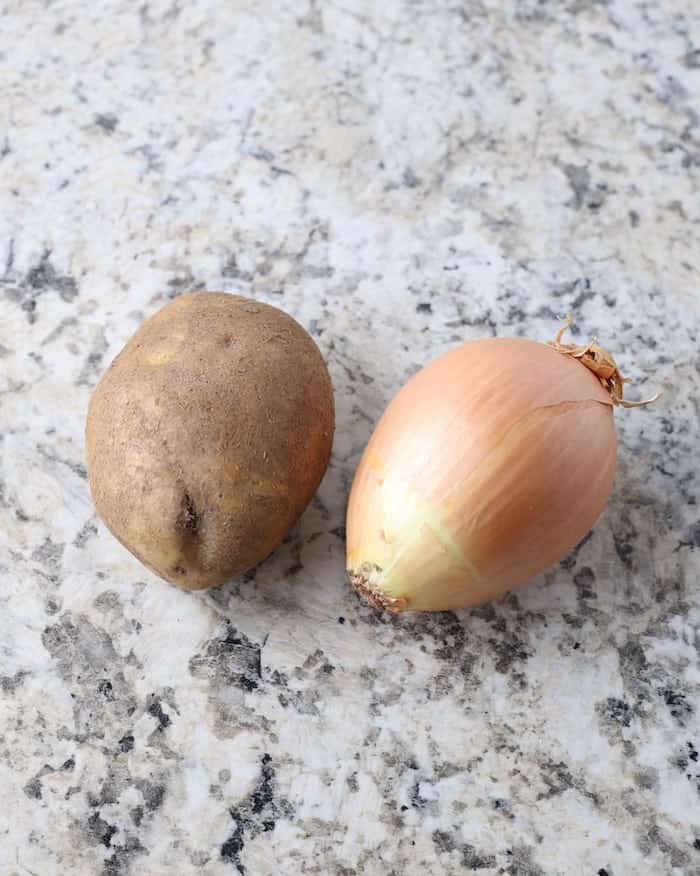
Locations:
(365, 581)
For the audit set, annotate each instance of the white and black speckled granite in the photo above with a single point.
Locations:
(400, 176)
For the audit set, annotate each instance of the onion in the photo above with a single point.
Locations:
(488, 466)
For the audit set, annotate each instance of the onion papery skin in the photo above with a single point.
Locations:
(487, 467)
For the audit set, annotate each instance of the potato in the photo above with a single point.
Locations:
(208, 436)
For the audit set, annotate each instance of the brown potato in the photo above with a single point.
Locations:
(208, 436)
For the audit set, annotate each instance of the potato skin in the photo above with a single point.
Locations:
(208, 436)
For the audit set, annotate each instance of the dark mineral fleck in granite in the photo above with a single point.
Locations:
(400, 177)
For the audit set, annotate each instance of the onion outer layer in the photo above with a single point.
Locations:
(486, 468)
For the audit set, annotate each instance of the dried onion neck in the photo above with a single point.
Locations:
(601, 363)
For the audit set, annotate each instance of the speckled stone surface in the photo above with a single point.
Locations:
(400, 176)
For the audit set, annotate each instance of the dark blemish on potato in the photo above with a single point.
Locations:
(188, 524)
(189, 518)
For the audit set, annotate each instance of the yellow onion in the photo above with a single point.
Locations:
(488, 466)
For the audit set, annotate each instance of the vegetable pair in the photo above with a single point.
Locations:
(211, 430)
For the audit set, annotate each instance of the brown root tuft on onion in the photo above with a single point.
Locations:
(487, 467)
(363, 580)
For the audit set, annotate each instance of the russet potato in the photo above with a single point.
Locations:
(208, 436)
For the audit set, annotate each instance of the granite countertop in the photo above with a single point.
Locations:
(400, 176)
